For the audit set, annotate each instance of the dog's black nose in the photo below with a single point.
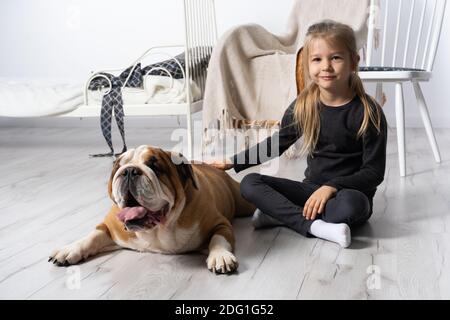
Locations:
(131, 172)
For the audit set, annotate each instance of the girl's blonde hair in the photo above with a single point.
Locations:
(306, 111)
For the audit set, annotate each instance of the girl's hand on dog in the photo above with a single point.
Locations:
(316, 203)
(222, 165)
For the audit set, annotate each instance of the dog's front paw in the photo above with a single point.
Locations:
(221, 261)
(67, 255)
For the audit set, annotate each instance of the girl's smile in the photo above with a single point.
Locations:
(328, 78)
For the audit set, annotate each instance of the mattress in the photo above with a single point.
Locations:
(42, 97)
(38, 97)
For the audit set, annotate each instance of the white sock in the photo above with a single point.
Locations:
(336, 232)
(261, 220)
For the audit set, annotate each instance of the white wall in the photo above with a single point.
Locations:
(66, 39)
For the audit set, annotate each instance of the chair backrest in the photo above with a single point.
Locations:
(201, 35)
(409, 30)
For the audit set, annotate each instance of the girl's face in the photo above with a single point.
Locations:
(330, 66)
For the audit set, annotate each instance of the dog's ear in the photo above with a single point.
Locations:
(115, 167)
(184, 169)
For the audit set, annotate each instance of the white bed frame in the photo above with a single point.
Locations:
(200, 31)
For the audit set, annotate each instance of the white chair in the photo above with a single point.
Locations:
(407, 55)
(200, 35)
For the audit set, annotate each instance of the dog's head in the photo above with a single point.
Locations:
(149, 185)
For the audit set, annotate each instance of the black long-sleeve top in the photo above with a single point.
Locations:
(339, 159)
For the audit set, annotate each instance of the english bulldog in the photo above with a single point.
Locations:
(163, 204)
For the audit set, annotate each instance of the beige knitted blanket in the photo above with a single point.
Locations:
(251, 75)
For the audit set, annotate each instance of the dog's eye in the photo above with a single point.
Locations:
(152, 164)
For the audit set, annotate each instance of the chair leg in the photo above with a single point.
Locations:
(379, 93)
(400, 120)
(426, 121)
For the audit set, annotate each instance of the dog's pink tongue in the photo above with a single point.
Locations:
(131, 213)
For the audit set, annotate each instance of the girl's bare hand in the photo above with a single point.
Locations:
(222, 165)
(316, 202)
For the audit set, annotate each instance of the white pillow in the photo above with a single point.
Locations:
(157, 90)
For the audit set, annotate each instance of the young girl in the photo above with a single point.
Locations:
(344, 134)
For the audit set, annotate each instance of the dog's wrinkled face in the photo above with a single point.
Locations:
(147, 183)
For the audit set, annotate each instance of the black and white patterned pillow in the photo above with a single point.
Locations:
(375, 68)
(199, 57)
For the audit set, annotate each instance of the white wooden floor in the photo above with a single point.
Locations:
(51, 193)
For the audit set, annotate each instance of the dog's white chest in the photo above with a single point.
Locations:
(177, 240)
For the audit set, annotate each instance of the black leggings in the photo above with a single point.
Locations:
(283, 199)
